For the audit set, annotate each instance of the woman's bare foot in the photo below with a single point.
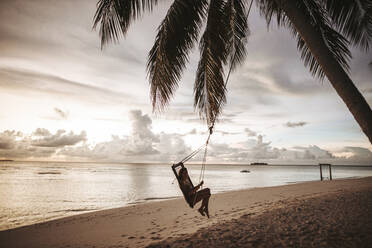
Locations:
(201, 212)
(206, 212)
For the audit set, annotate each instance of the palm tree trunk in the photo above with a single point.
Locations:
(336, 75)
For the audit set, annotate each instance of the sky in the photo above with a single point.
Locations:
(62, 98)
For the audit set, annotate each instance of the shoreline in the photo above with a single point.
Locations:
(144, 223)
(77, 212)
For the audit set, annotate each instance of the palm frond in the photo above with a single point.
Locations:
(176, 36)
(317, 16)
(270, 9)
(236, 14)
(209, 88)
(353, 18)
(115, 16)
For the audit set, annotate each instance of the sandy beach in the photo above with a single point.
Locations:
(313, 214)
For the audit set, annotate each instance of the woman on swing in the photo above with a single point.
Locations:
(193, 193)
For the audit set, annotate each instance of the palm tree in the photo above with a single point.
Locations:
(323, 28)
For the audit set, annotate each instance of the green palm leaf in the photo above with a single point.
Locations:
(176, 36)
(115, 17)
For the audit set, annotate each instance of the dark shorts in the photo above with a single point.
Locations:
(202, 194)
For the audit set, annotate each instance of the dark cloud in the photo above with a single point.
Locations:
(60, 139)
(16, 145)
(295, 124)
(8, 139)
(5, 145)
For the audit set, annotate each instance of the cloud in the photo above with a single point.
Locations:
(192, 132)
(16, 145)
(227, 133)
(30, 81)
(295, 124)
(359, 154)
(314, 152)
(39, 144)
(141, 145)
(61, 113)
(250, 150)
(60, 139)
(368, 90)
(7, 139)
(263, 150)
(141, 125)
(250, 133)
(254, 149)
(219, 120)
(41, 132)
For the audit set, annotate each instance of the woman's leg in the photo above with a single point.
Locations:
(203, 195)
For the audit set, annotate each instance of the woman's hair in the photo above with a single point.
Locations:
(182, 170)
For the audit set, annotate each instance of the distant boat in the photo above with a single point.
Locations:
(258, 163)
(244, 171)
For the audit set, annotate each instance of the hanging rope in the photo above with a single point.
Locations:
(202, 172)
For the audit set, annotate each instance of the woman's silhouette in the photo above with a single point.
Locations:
(193, 193)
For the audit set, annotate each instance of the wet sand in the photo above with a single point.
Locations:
(314, 214)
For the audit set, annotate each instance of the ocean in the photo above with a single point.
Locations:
(32, 192)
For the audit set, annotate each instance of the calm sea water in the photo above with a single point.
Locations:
(32, 192)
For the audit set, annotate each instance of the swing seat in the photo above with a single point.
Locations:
(176, 169)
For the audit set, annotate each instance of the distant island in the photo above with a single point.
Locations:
(258, 163)
(6, 160)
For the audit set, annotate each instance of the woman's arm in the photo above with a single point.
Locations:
(197, 187)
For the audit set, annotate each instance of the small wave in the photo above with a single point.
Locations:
(76, 210)
(151, 199)
(158, 198)
(49, 173)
